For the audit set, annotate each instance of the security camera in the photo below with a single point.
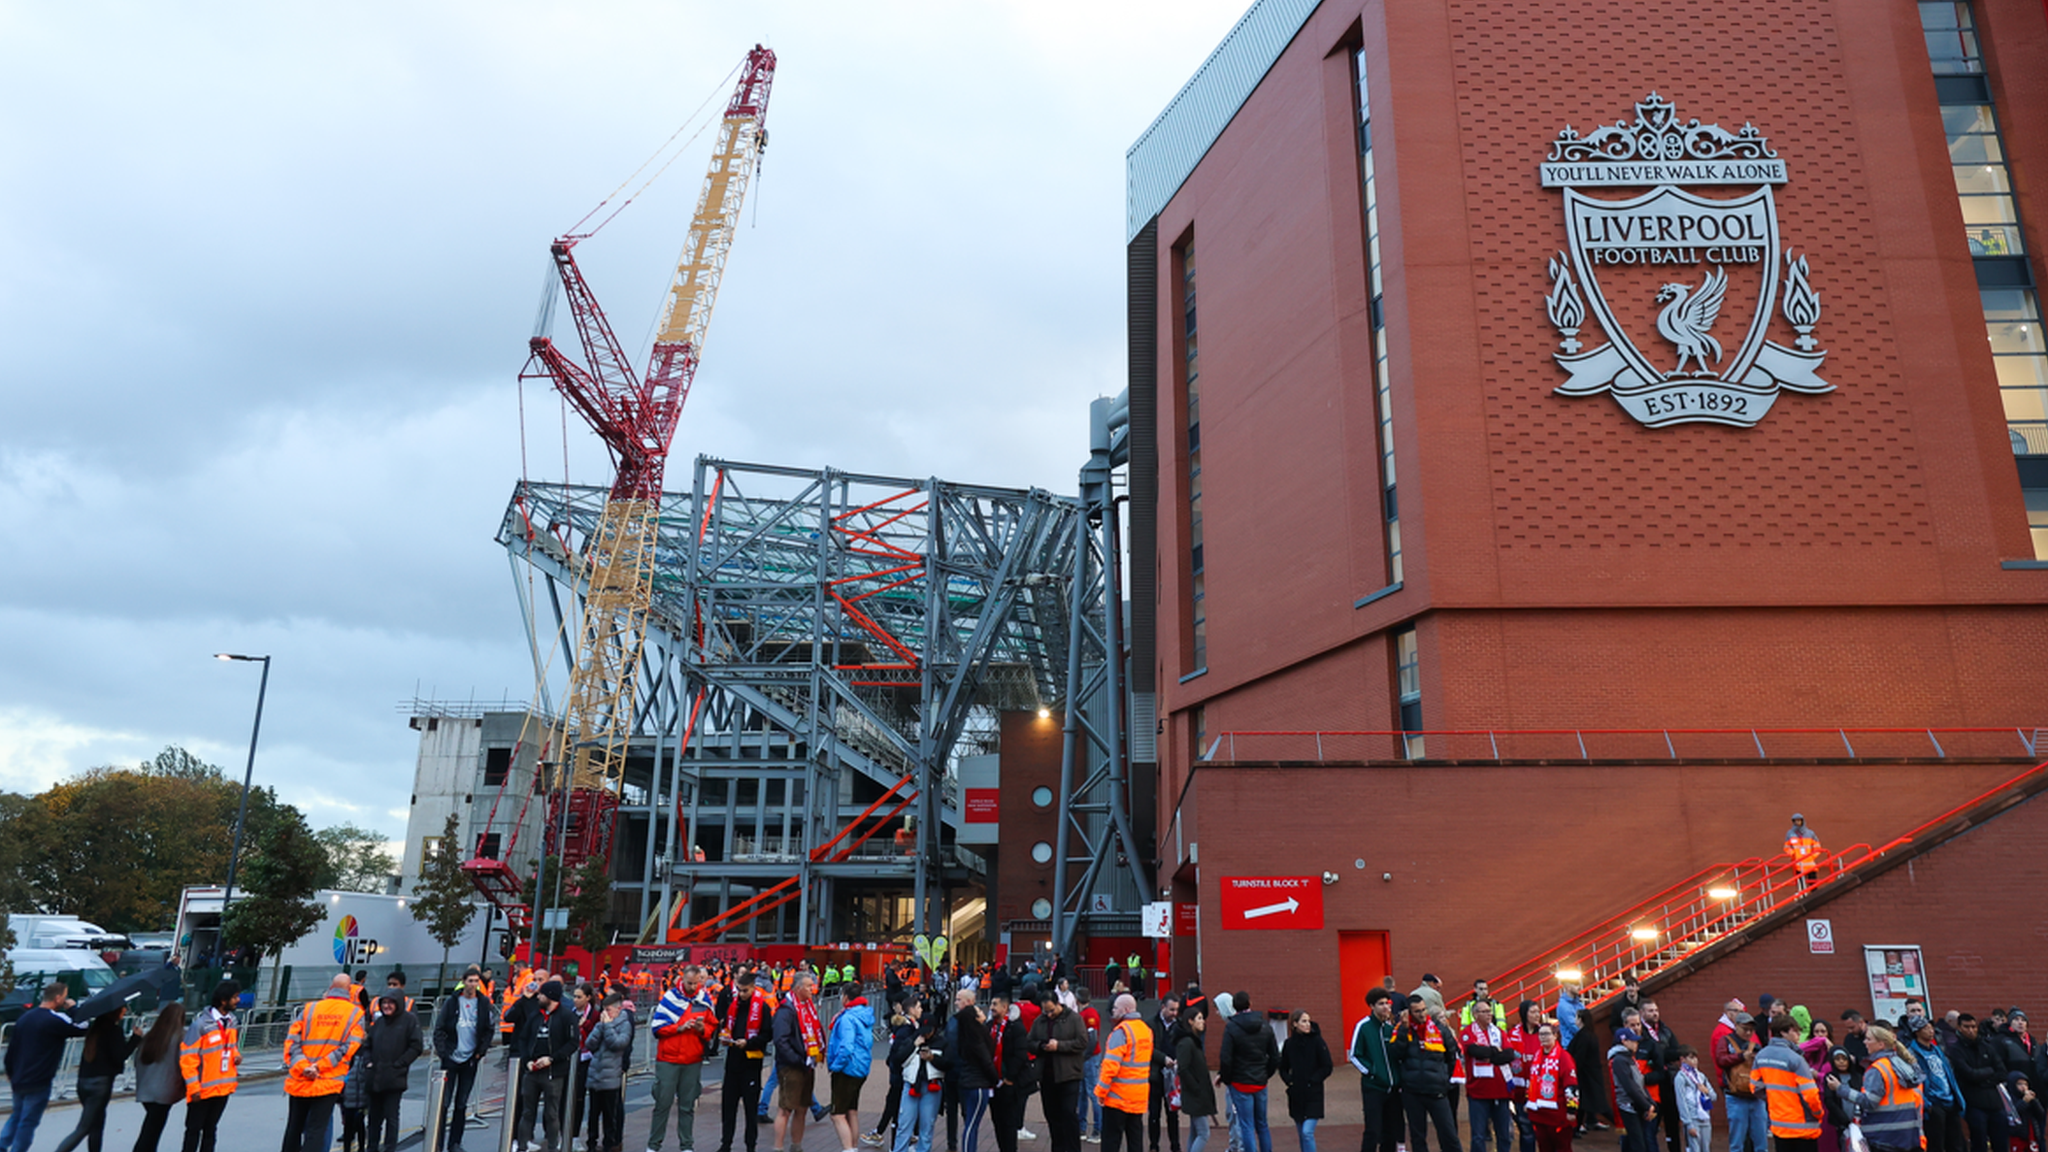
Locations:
(1329, 877)
(1387, 876)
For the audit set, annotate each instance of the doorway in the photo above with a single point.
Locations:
(1364, 961)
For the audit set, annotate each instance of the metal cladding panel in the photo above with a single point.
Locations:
(1168, 151)
(1141, 293)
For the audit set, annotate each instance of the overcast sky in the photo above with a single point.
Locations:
(271, 268)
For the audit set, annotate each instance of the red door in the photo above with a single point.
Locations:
(1364, 960)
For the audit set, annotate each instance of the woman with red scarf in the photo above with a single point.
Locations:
(1522, 1039)
(1553, 1092)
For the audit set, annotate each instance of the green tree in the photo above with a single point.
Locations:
(445, 897)
(21, 833)
(589, 901)
(117, 845)
(356, 859)
(281, 878)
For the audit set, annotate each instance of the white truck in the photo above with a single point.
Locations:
(357, 930)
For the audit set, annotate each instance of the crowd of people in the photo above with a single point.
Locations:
(1535, 1079)
(963, 1046)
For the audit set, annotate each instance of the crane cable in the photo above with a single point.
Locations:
(720, 87)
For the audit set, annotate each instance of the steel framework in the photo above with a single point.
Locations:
(830, 640)
(1095, 830)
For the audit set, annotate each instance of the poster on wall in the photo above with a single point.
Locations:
(1897, 971)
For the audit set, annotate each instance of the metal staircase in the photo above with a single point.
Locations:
(1717, 909)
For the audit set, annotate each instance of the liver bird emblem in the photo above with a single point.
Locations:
(1686, 319)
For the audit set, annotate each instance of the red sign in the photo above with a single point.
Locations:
(1184, 918)
(982, 806)
(1269, 902)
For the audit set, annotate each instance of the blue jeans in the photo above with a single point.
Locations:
(1747, 1118)
(21, 1123)
(1306, 1131)
(1090, 1109)
(916, 1116)
(1494, 1113)
(1249, 1118)
(1198, 1133)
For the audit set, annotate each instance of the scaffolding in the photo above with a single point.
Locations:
(822, 647)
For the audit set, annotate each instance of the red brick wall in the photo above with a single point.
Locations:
(1836, 565)
(1030, 758)
(1491, 865)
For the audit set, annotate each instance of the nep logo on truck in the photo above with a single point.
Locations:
(1670, 251)
(350, 947)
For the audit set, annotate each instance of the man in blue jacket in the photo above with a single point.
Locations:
(34, 1052)
(848, 1055)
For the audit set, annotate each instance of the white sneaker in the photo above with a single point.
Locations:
(1026, 1134)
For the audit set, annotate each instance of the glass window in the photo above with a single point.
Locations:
(1041, 909)
(1042, 852)
(1951, 38)
(1991, 227)
(497, 765)
(1408, 689)
(1042, 796)
(1383, 402)
(1191, 369)
(2037, 518)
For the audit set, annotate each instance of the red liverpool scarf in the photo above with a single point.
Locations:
(813, 1032)
(1546, 1080)
(732, 1017)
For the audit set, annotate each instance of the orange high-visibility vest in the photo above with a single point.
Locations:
(1805, 852)
(512, 988)
(323, 1040)
(1127, 1068)
(1792, 1100)
(210, 1056)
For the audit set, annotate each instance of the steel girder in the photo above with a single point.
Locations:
(1095, 832)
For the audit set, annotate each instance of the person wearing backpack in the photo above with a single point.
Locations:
(1735, 1056)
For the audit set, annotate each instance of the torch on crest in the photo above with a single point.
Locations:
(1567, 310)
(1802, 303)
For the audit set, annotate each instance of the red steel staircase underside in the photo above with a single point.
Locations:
(769, 899)
(1718, 909)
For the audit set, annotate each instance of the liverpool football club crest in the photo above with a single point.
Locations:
(1683, 285)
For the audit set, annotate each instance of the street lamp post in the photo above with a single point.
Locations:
(248, 774)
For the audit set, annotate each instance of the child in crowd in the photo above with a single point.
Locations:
(1695, 1100)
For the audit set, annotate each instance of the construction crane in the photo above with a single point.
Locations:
(636, 417)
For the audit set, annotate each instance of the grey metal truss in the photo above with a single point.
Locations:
(1095, 833)
(822, 628)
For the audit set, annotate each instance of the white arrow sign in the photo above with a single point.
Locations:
(1288, 905)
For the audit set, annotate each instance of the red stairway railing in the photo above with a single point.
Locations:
(1703, 908)
(1642, 744)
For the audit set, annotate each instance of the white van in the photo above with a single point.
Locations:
(83, 970)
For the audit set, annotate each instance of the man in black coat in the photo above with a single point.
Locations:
(1163, 1026)
(1247, 1059)
(1658, 1046)
(745, 1028)
(1060, 1043)
(464, 1025)
(1427, 1053)
(1980, 1069)
(1010, 1046)
(547, 1042)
